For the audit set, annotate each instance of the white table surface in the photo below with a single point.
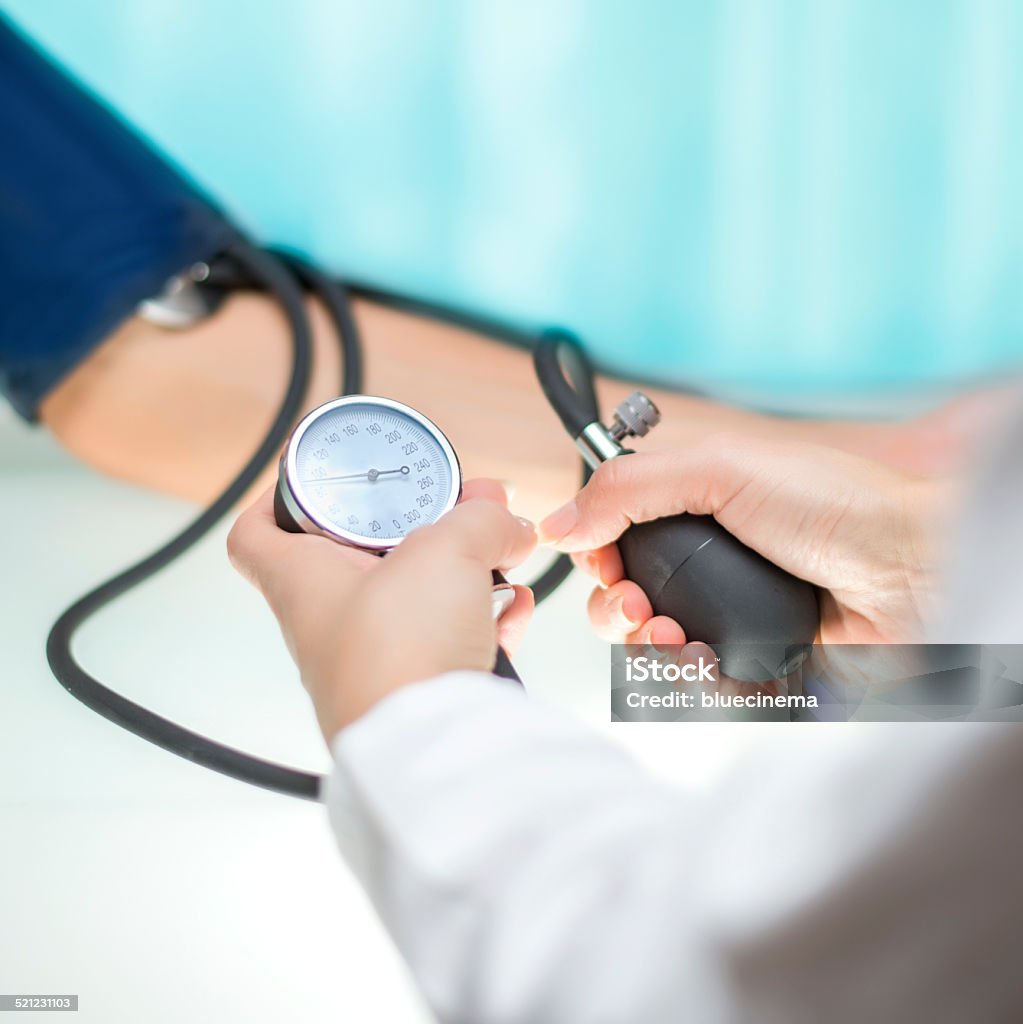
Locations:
(159, 891)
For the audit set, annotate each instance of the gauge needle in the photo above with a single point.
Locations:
(370, 474)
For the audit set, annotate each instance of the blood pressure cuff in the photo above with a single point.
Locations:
(92, 221)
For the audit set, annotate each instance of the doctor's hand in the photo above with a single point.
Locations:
(360, 627)
(865, 533)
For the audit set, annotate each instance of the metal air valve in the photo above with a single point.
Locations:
(634, 417)
(760, 620)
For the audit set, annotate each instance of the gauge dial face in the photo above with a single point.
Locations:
(371, 470)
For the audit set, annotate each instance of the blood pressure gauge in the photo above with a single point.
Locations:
(367, 472)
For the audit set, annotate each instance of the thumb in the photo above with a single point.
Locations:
(479, 531)
(757, 489)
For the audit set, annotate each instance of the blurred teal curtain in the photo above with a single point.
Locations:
(756, 194)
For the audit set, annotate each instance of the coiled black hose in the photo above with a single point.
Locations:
(273, 276)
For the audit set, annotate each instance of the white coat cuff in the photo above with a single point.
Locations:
(385, 762)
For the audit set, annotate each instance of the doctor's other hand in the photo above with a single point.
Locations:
(360, 627)
(866, 533)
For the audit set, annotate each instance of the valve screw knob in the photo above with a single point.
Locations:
(634, 417)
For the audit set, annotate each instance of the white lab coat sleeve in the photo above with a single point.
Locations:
(528, 870)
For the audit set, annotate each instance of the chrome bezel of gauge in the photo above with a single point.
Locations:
(303, 510)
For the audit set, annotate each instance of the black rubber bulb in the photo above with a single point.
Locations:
(760, 620)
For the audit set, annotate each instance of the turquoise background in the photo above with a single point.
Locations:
(774, 196)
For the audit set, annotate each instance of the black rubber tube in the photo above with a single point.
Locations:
(566, 377)
(131, 716)
(336, 300)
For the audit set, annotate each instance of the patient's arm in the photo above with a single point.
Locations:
(180, 411)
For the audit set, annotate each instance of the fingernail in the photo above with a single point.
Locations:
(595, 566)
(558, 524)
(663, 639)
(618, 610)
(509, 488)
(634, 617)
(592, 564)
(527, 523)
(654, 634)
